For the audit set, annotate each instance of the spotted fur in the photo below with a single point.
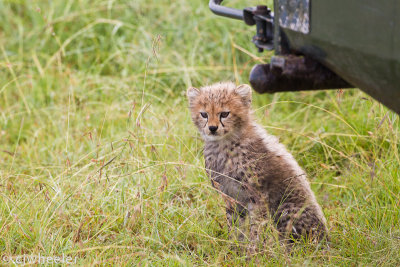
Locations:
(258, 178)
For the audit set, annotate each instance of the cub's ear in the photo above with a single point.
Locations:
(244, 90)
(192, 93)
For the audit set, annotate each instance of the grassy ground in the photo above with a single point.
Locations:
(99, 159)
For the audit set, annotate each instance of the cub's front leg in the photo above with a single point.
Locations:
(237, 209)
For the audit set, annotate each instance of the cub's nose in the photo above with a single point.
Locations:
(213, 129)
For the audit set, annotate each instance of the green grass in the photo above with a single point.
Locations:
(99, 159)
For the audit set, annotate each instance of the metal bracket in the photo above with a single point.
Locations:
(261, 16)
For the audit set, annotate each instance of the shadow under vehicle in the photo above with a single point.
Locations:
(325, 44)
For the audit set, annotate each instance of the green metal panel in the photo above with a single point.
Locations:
(357, 39)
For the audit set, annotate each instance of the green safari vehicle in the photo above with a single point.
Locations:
(326, 44)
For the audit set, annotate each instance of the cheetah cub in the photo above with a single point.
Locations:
(258, 178)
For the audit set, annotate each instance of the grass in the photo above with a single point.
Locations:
(99, 159)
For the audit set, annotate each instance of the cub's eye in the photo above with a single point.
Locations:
(224, 114)
(204, 115)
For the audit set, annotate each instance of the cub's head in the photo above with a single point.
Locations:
(220, 110)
